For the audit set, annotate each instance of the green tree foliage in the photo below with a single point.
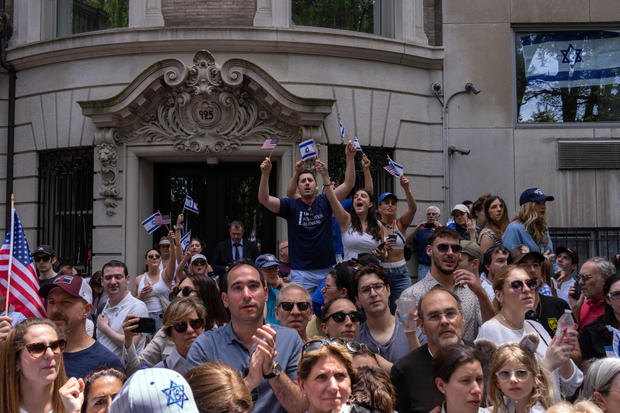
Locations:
(356, 15)
(117, 10)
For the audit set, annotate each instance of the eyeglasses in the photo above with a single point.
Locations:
(153, 257)
(518, 284)
(520, 374)
(584, 277)
(436, 317)
(301, 306)
(38, 349)
(615, 296)
(199, 262)
(186, 291)
(456, 248)
(181, 327)
(340, 316)
(356, 347)
(328, 287)
(44, 258)
(378, 287)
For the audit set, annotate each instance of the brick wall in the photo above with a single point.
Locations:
(208, 12)
(433, 22)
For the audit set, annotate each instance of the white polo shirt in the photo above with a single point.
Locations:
(116, 315)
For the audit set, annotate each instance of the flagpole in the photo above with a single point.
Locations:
(8, 286)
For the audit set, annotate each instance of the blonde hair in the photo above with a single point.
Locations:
(536, 226)
(498, 283)
(179, 308)
(10, 390)
(514, 352)
(218, 388)
(584, 406)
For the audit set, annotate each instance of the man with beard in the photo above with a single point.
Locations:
(311, 247)
(294, 309)
(441, 320)
(69, 303)
(265, 355)
(444, 250)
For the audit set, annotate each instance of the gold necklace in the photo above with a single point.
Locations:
(510, 325)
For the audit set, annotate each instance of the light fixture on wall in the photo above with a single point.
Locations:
(448, 150)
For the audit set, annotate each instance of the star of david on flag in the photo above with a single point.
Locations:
(394, 168)
(185, 240)
(23, 293)
(307, 149)
(176, 394)
(190, 205)
(150, 224)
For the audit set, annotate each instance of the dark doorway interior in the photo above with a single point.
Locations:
(224, 192)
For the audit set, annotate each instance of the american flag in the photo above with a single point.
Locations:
(24, 292)
(394, 168)
(270, 144)
(162, 219)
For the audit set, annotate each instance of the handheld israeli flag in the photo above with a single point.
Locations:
(307, 149)
(571, 59)
(190, 205)
(185, 240)
(150, 224)
(341, 127)
(394, 168)
(357, 145)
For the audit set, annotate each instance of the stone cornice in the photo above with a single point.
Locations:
(306, 40)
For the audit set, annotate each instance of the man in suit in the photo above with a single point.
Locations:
(233, 249)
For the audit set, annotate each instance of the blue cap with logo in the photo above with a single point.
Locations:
(266, 260)
(386, 195)
(533, 195)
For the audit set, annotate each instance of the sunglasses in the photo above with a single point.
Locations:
(340, 316)
(199, 262)
(153, 257)
(44, 258)
(456, 248)
(181, 327)
(520, 374)
(301, 306)
(38, 349)
(319, 343)
(583, 277)
(518, 284)
(356, 347)
(185, 291)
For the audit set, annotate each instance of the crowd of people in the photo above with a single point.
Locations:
(495, 319)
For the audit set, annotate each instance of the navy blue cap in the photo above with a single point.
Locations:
(266, 260)
(385, 195)
(533, 195)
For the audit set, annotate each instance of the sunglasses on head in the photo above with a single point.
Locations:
(355, 347)
(185, 291)
(38, 349)
(518, 284)
(340, 316)
(181, 327)
(153, 257)
(44, 258)
(301, 305)
(319, 343)
(456, 248)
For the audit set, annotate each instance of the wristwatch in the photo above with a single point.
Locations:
(275, 372)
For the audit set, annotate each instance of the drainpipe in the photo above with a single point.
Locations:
(6, 31)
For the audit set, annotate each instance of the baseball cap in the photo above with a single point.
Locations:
(72, 284)
(472, 249)
(154, 390)
(45, 249)
(519, 253)
(197, 257)
(460, 207)
(266, 260)
(367, 258)
(164, 241)
(386, 195)
(573, 255)
(533, 195)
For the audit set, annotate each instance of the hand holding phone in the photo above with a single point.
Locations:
(145, 325)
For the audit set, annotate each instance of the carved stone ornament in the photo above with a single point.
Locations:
(206, 114)
(106, 151)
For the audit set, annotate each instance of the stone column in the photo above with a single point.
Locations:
(273, 13)
(145, 13)
(409, 21)
(107, 155)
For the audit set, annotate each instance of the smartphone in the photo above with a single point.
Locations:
(577, 291)
(429, 225)
(380, 246)
(392, 236)
(145, 325)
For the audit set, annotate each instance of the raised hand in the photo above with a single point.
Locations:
(265, 166)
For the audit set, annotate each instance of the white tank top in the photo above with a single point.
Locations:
(152, 302)
(355, 243)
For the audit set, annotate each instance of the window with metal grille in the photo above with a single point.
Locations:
(383, 181)
(65, 216)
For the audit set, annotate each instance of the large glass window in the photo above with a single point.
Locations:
(79, 16)
(356, 15)
(568, 76)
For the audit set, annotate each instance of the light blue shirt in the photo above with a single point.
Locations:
(240, 249)
(516, 234)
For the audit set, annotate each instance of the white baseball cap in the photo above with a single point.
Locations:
(155, 390)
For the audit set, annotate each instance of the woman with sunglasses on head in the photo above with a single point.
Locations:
(324, 375)
(100, 388)
(184, 320)
(33, 374)
(517, 384)
(457, 372)
(496, 221)
(514, 296)
(596, 339)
